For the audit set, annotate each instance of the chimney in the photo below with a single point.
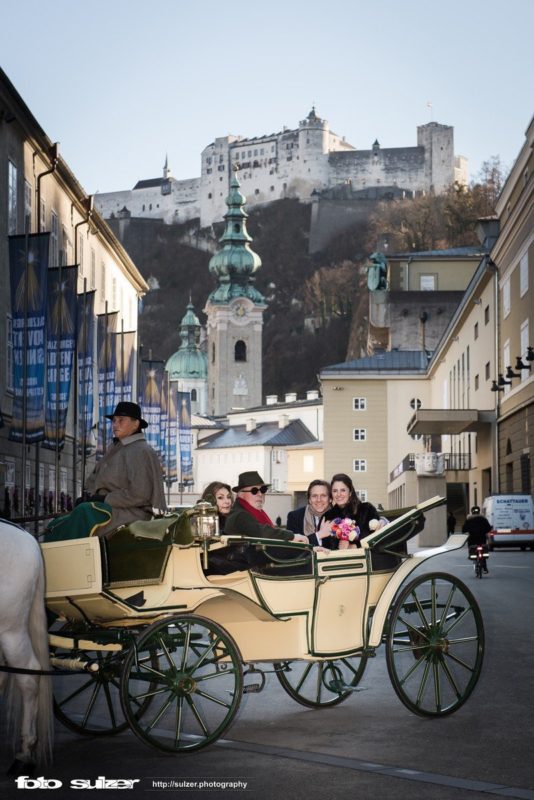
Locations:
(312, 394)
(250, 425)
(283, 421)
(290, 397)
(271, 400)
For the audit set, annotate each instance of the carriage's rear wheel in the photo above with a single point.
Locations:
(89, 703)
(318, 684)
(191, 669)
(435, 644)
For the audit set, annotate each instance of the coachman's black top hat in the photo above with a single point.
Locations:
(126, 409)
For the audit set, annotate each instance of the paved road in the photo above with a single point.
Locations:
(370, 746)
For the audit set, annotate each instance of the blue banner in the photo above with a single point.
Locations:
(164, 420)
(60, 346)
(86, 360)
(125, 359)
(28, 262)
(150, 384)
(171, 470)
(105, 345)
(183, 404)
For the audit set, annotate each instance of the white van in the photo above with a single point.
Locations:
(511, 517)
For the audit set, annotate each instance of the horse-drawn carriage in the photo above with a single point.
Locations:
(158, 644)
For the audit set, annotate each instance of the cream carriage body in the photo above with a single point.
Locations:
(151, 626)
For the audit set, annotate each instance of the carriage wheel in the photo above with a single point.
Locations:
(191, 669)
(318, 684)
(89, 703)
(435, 644)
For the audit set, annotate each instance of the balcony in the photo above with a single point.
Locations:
(453, 462)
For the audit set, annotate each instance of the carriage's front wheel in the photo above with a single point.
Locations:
(318, 684)
(435, 644)
(191, 669)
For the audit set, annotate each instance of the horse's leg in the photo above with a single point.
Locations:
(18, 652)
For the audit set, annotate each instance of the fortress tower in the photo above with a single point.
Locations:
(235, 316)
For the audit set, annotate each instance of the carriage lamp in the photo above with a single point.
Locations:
(530, 354)
(204, 520)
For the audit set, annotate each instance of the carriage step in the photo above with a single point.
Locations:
(254, 688)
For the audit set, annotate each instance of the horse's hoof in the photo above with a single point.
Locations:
(19, 767)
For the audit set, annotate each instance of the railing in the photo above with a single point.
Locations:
(453, 461)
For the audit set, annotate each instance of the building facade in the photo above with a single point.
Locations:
(297, 163)
(39, 193)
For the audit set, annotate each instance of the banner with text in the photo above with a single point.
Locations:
(183, 404)
(105, 347)
(86, 362)
(125, 361)
(28, 263)
(60, 347)
(171, 465)
(150, 386)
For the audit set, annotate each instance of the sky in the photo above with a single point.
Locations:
(120, 84)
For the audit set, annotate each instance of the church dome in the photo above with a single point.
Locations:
(189, 361)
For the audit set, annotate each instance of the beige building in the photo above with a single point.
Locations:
(39, 193)
(513, 255)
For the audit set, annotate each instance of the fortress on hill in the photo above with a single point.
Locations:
(300, 163)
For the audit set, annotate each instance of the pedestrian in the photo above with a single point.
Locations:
(451, 523)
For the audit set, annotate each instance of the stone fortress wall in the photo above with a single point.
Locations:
(297, 163)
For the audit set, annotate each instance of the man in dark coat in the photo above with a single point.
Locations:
(307, 519)
(477, 527)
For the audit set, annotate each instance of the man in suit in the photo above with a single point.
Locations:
(307, 519)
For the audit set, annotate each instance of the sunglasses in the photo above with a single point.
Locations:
(255, 489)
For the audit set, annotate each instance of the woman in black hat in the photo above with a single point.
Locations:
(129, 477)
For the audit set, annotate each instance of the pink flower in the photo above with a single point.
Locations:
(345, 529)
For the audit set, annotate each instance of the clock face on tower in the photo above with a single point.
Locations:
(240, 311)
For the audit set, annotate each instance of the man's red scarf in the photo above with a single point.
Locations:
(258, 513)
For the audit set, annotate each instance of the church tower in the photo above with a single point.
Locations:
(235, 316)
(187, 367)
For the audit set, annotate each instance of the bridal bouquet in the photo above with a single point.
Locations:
(345, 529)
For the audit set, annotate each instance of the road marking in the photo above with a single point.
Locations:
(471, 785)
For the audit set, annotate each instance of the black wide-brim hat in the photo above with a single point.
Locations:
(126, 409)
(249, 479)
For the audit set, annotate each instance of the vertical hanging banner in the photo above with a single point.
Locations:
(150, 383)
(28, 263)
(124, 365)
(86, 360)
(105, 345)
(171, 470)
(60, 345)
(164, 421)
(183, 403)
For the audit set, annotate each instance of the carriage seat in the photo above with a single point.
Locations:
(137, 554)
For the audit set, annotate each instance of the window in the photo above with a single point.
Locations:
(506, 297)
(506, 361)
(476, 383)
(308, 464)
(42, 215)
(360, 434)
(11, 198)
(27, 207)
(360, 465)
(114, 293)
(523, 275)
(80, 256)
(525, 373)
(193, 395)
(54, 240)
(93, 269)
(487, 370)
(103, 279)
(362, 495)
(486, 315)
(9, 353)
(359, 403)
(240, 351)
(476, 330)
(427, 283)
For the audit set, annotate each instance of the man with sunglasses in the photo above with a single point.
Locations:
(247, 517)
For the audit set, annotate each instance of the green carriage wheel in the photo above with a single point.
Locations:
(435, 644)
(89, 703)
(319, 684)
(191, 669)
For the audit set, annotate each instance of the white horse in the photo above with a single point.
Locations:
(24, 644)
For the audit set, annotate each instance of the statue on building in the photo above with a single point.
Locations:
(377, 273)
